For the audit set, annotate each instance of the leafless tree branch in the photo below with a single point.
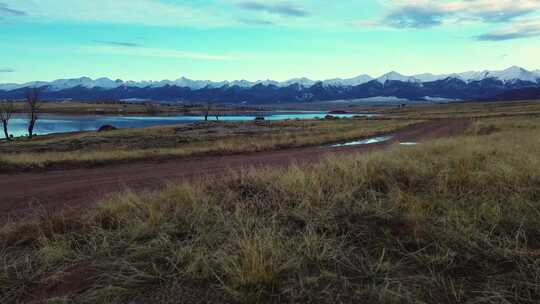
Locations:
(6, 111)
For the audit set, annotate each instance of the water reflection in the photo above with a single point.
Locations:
(368, 141)
(56, 123)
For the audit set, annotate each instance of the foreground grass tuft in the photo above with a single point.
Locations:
(453, 221)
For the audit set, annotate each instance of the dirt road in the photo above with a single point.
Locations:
(56, 190)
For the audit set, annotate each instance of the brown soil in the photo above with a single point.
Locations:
(65, 189)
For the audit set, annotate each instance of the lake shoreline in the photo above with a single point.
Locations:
(61, 123)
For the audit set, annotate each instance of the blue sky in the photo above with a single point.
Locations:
(237, 39)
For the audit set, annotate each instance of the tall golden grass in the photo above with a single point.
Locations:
(452, 221)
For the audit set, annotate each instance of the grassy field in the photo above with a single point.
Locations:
(92, 149)
(469, 109)
(451, 221)
(84, 108)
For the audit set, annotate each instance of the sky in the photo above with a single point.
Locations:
(262, 39)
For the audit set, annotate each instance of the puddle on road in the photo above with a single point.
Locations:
(368, 141)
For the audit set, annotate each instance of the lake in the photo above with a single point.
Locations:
(59, 123)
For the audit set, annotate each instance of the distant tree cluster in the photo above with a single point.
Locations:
(152, 108)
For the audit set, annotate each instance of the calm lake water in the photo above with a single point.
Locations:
(56, 123)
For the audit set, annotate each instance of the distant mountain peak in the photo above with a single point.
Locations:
(395, 76)
(358, 80)
(512, 74)
(515, 68)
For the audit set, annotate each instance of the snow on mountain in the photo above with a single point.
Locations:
(107, 83)
(396, 77)
(358, 80)
(428, 77)
(104, 83)
(193, 84)
(180, 82)
(473, 75)
(15, 86)
(139, 84)
(62, 84)
(10, 86)
(242, 83)
(268, 82)
(508, 75)
(511, 74)
(537, 74)
(439, 99)
(388, 99)
(514, 73)
(305, 82)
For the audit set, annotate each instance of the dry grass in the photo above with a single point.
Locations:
(453, 221)
(471, 110)
(110, 107)
(99, 149)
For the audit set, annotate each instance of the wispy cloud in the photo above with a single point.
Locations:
(6, 70)
(517, 30)
(283, 8)
(6, 10)
(431, 13)
(141, 12)
(117, 43)
(154, 52)
(411, 16)
(255, 21)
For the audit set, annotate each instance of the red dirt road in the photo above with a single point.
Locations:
(57, 190)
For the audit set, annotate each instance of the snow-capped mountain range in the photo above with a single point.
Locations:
(508, 75)
(514, 83)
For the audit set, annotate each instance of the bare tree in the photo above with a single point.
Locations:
(207, 110)
(34, 104)
(6, 110)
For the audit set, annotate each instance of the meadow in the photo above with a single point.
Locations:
(107, 107)
(455, 220)
(93, 149)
